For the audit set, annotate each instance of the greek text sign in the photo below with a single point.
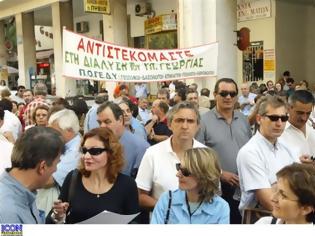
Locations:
(86, 58)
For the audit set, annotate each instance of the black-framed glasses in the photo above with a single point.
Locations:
(275, 118)
(93, 151)
(184, 171)
(226, 93)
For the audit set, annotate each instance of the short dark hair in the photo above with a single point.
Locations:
(286, 73)
(226, 80)
(181, 92)
(164, 107)
(6, 104)
(35, 145)
(114, 107)
(302, 96)
(205, 92)
(290, 80)
(164, 91)
(20, 87)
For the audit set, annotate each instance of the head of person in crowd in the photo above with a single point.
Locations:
(125, 104)
(183, 120)
(303, 85)
(6, 104)
(192, 96)
(205, 92)
(35, 156)
(180, 95)
(199, 173)
(290, 83)
(5, 93)
(66, 122)
(294, 194)
(79, 106)
(164, 95)
(20, 107)
(111, 116)
(225, 93)
(101, 97)
(271, 117)
(143, 103)
(262, 88)
(193, 86)
(40, 90)
(286, 75)
(59, 101)
(245, 89)
(101, 150)
(40, 115)
(270, 85)
(301, 104)
(278, 87)
(20, 91)
(14, 107)
(28, 96)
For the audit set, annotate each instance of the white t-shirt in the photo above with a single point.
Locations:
(157, 171)
(258, 161)
(6, 150)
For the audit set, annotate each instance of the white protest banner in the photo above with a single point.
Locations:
(86, 58)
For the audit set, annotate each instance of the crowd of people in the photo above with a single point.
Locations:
(181, 158)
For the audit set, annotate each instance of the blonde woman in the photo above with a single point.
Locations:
(196, 201)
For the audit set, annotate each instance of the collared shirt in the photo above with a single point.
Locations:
(258, 161)
(138, 128)
(144, 114)
(134, 149)
(90, 121)
(12, 124)
(215, 212)
(157, 171)
(17, 203)
(295, 138)
(249, 99)
(226, 139)
(69, 160)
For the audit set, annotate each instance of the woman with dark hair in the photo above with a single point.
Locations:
(39, 116)
(99, 185)
(294, 196)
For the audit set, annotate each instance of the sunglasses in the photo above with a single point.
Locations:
(226, 93)
(184, 171)
(93, 151)
(275, 118)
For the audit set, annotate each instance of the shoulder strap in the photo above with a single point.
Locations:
(169, 207)
(274, 220)
(72, 184)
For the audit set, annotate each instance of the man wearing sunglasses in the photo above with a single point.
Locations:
(264, 155)
(226, 131)
(298, 133)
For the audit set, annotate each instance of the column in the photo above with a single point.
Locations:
(206, 21)
(3, 52)
(26, 51)
(62, 15)
(115, 31)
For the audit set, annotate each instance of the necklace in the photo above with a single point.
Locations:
(188, 206)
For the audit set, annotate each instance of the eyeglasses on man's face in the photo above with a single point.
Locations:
(275, 118)
(184, 171)
(226, 93)
(93, 151)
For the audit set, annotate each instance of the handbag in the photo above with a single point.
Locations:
(251, 215)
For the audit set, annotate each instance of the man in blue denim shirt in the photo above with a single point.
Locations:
(34, 158)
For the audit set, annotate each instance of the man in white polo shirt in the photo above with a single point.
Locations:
(157, 171)
(264, 155)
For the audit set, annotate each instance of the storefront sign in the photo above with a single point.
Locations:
(269, 64)
(253, 9)
(97, 6)
(160, 24)
(44, 37)
(86, 58)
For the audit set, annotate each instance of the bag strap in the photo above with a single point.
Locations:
(72, 185)
(169, 207)
(274, 220)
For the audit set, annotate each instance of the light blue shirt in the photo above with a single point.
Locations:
(139, 128)
(134, 149)
(17, 203)
(69, 160)
(90, 121)
(249, 99)
(215, 212)
(145, 115)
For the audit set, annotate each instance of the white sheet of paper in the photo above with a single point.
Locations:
(107, 217)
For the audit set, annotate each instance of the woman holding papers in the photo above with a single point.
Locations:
(98, 185)
(293, 198)
(196, 201)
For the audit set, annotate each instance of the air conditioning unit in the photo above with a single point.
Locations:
(142, 8)
(82, 27)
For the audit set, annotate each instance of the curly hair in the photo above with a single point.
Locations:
(203, 164)
(115, 161)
